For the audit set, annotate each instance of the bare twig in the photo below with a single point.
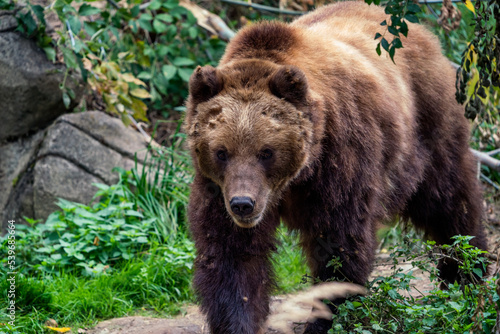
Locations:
(150, 140)
(494, 152)
(489, 181)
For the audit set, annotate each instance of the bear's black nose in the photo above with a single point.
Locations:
(241, 206)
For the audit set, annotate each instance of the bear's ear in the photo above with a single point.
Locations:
(204, 84)
(289, 83)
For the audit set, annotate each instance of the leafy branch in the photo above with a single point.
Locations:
(482, 56)
(401, 12)
(133, 57)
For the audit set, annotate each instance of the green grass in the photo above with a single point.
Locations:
(160, 187)
(289, 263)
(158, 283)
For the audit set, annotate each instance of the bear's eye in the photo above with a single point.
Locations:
(265, 154)
(222, 155)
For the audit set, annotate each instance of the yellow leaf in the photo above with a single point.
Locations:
(140, 93)
(122, 55)
(470, 6)
(60, 330)
(139, 108)
(87, 64)
(130, 78)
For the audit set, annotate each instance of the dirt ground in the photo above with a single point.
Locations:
(192, 321)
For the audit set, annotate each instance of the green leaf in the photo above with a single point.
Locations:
(478, 272)
(155, 5)
(145, 24)
(393, 294)
(69, 58)
(50, 52)
(47, 250)
(66, 100)
(456, 306)
(145, 75)
(56, 256)
(142, 240)
(379, 52)
(38, 10)
(413, 8)
(404, 28)
(165, 17)
(159, 26)
(86, 10)
(397, 43)
(162, 50)
(411, 18)
(393, 30)
(169, 71)
(135, 11)
(182, 61)
(146, 17)
(385, 44)
(377, 36)
(392, 52)
(134, 213)
(185, 73)
(193, 32)
(74, 24)
(28, 25)
(171, 4)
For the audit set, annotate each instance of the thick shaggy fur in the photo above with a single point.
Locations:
(315, 128)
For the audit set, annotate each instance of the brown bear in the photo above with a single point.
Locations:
(304, 122)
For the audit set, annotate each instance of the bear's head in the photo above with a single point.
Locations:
(250, 131)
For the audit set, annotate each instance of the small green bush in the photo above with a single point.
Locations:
(390, 308)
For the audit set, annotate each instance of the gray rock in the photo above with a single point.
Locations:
(55, 177)
(65, 141)
(7, 21)
(110, 132)
(30, 97)
(16, 178)
(64, 161)
(15, 157)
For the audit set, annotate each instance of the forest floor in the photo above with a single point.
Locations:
(192, 321)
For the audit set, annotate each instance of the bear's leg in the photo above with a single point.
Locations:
(233, 271)
(449, 203)
(355, 252)
(234, 292)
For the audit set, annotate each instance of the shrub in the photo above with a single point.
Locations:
(391, 308)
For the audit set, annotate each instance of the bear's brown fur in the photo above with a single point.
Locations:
(305, 122)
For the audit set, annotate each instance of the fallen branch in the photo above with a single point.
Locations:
(209, 21)
(486, 159)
